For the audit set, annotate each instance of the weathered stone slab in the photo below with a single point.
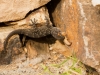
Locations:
(89, 26)
(32, 48)
(39, 15)
(81, 22)
(65, 16)
(11, 10)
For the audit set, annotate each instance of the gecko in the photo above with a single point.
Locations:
(34, 32)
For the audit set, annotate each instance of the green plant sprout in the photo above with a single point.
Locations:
(73, 69)
(46, 69)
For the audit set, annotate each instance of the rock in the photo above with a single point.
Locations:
(39, 16)
(95, 2)
(18, 9)
(61, 48)
(81, 22)
(37, 47)
(34, 49)
(89, 46)
(62, 16)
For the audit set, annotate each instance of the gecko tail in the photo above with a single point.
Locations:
(19, 31)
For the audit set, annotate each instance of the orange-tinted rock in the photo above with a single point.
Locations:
(81, 22)
(66, 17)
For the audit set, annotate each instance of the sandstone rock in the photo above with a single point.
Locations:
(81, 22)
(31, 46)
(39, 15)
(61, 48)
(17, 9)
(37, 47)
(63, 14)
(89, 26)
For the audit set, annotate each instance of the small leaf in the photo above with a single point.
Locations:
(59, 65)
(78, 70)
(65, 73)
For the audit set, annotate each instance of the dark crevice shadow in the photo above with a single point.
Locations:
(51, 7)
(33, 11)
(47, 39)
(3, 24)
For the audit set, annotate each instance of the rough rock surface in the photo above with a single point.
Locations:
(39, 15)
(30, 50)
(11, 10)
(81, 22)
(78, 18)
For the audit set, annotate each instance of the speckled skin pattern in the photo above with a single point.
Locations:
(35, 32)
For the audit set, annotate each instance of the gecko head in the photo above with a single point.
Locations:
(57, 34)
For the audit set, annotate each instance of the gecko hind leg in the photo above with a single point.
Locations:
(22, 39)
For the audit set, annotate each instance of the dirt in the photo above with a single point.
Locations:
(50, 63)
